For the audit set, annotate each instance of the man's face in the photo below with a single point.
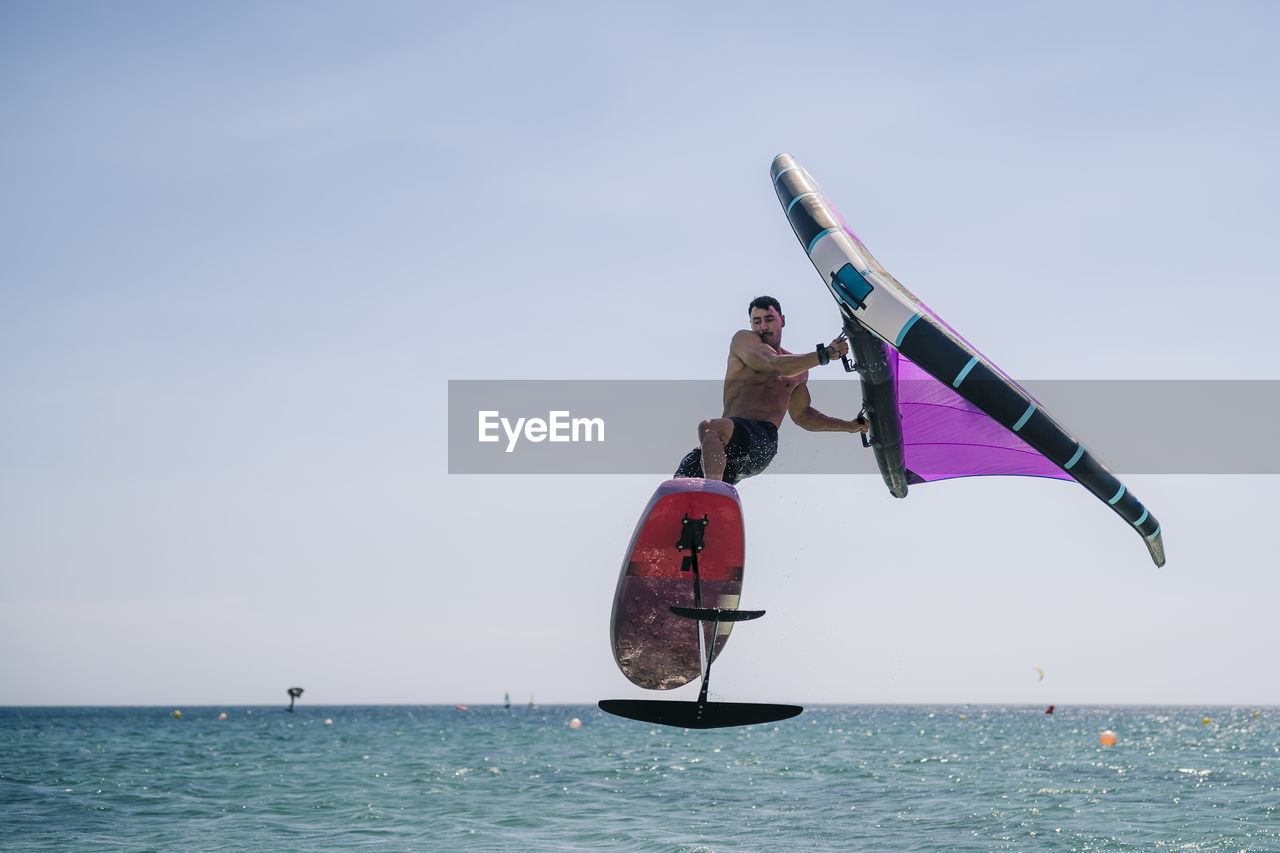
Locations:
(768, 323)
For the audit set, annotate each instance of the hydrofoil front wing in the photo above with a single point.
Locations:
(698, 715)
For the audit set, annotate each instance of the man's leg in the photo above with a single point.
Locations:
(713, 435)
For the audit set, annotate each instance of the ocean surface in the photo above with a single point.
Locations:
(856, 777)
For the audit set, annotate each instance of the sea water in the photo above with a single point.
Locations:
(894, 778)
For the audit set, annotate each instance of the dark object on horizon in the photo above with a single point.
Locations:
(1050, 710)
(294, 693)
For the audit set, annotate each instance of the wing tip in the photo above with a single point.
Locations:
(1155, 544)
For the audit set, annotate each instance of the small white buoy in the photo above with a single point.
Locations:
(575, 723)
(328, 722)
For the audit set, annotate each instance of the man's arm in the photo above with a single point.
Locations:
(807, 417)
(759, 356)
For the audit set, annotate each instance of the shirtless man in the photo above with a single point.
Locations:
(761, 383)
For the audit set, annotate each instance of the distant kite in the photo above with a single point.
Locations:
(1038, 670)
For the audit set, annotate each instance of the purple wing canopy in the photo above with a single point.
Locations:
(946, 436)
(938, 434)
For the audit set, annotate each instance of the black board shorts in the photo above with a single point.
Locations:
(750, 450)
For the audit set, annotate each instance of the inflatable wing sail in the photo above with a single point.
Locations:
(938, 407)
(945, 436)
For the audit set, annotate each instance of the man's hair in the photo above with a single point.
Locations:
(764, 303)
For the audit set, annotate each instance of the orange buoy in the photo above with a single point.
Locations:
(1107, 738)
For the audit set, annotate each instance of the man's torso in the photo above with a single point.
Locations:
(748, 393)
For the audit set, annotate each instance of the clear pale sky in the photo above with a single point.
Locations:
(245, 246)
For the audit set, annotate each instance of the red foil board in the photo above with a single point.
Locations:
(653, 647)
